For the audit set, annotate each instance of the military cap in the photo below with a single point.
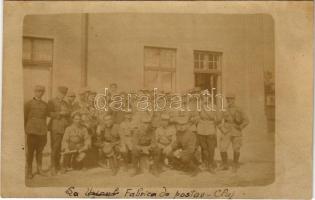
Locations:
(146, 119)
(145, 90)
(71, 94)
(197, 89)
(39, 88)
(84, 90)
(129, 111)
(230, 96)
(63, 89)
(165, 116)
(92, 93)
(122, 93)
(107, 117)
(113, 84)
(132, 92)
(204, 92)
(182, 120)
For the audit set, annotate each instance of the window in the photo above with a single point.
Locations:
(159, 68)
(207, 61)
(207, 68)
(37, 51)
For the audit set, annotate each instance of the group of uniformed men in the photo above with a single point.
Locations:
(82, 136)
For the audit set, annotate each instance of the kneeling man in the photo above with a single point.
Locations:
(75, 143)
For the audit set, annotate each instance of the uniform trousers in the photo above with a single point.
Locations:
(208, 143)
(35, 143)
(56, 140)
(227, 139)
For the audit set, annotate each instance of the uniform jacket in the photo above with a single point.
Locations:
(108, 134)
(206, 124)
(76, 138)
(233, 118)
(143, 137)
(36, 113)
(58, 122)
(165, 136)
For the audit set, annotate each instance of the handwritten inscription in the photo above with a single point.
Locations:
(96, 193)
(140, 192)
(224, 193)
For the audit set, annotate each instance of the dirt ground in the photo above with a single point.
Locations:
(257, 168)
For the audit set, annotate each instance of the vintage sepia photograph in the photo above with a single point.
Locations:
(157, 99)
(149, 99)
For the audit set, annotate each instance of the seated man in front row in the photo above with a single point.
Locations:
(108, 142)
(75, 143)
(182, 156)
(165, 137)
(142, 145)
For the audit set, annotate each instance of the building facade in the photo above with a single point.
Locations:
(173, 52)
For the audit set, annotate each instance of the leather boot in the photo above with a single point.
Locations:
(40, 170)
(29, 172)
(224, 158)
(236, 157)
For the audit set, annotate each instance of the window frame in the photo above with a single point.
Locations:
(37, 63)
(205, 69)
(159, 68)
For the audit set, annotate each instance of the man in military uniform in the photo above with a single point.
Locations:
(72, 104)
(119, 112)
(36, 113)
(108, 141)
(234, 121)
(60, 116)
(165, 137)
(125, 132)
(82, 103)
(143, 144)
(75, 144)
(183, 150)
(206, 137)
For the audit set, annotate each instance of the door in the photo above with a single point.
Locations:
(206, 81)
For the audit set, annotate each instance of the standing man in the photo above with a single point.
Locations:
(234, 121)
(72, 105)
(82, 103)
(206, 137)
(35, 116)
(113, 89)
(59, 113)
